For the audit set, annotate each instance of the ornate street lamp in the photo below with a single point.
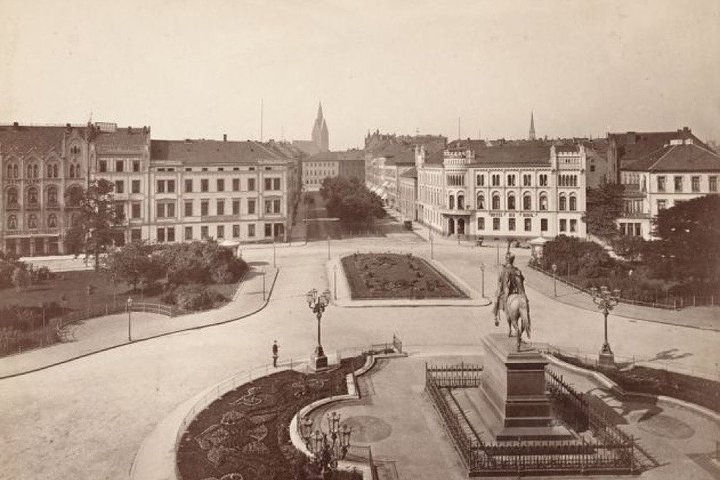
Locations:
(318, 303)
(326, 448)
(129, 310)
(482, 269)
(554, 269)
(605, 301)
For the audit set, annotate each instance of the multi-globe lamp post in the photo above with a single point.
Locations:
(605, 300)
(317, 302)
(326, 447)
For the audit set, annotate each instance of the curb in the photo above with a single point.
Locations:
(160, 335)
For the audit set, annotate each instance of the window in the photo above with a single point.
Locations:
(543, 201)
(203, 232)
(52, 221)
(251, 207)
(528, 224)
(481, 223)
(511, 224)
(204, 207)
(32, 221)
(695, 184)
(251, 184)
(527, 180)
(272, 206)
(236, 207)
(52, 195)
(712, 183)
(573, 203)
(136, 166)
(188, 185)
(160, 235)
(220, 184)
(189, 208)
(637, 229)
(496, 180)
(119, 165)
(221, 231)
(451, 202)
(135, 210)
(481, 201)
(135, 235)
(661, 184)
(135, 186)
(171, 186)
(188, 233)
(204, 184)
(276, 184)
(481, 180)
(12, 222)
(220, 207)
(511, 201)
(592, 168)
(171, 234)
(160, 210)
(496, 201)
(268, 229)
(543, 224)
(563, 224)
(563, 203)
(119, 186)
(251, 230)
(236, 231)
(236, 184)
(161, 186)
(543, 180)
(573, 225)
(496, 224)
(268, 184)
(527, 202)
(120, 209)
(678, 184)
(661, 205)
(102, 166)
(511, 180)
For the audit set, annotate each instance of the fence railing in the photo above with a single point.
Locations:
(673, 302)
(460, 375)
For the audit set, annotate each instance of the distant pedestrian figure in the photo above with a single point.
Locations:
(275, 349)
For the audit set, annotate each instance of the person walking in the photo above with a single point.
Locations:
(275, 349)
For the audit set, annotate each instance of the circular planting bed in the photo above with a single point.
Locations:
(244, 435)
(391, 275)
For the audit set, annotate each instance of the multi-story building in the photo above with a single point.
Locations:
(40, 168)
(407, 194)
(383, 168)
(347, 164)
(678, 171)
(505, 191)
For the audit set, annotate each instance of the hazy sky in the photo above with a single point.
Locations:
(199, 68)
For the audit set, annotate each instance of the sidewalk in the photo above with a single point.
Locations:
(103, 333)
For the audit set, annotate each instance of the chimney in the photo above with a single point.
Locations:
(129, 129)
(16, 124)
(224, 137)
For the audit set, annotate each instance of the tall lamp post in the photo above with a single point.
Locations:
(335, 269)
(482, 269)
(328, 241)
(605, 301)
(274, 252)
(326, 448)
(129, 310)
(554, 269)
(317, 303)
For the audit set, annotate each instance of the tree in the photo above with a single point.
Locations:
(20, 277)
(604, 205)
(96, 226)
(134, 264)
(688, 245)
(351, 201)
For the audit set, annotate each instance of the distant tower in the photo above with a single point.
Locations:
(531, 135)
(320, 134)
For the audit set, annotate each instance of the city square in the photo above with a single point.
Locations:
(249, 241)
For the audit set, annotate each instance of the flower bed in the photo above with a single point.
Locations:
(390, 275)
(244, 435)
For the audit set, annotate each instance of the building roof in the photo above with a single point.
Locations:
(126, 137)
(513, 155)
(337, 156)
(687, 157)
(24, 138)
(197, 152)
(632, 146)
(468, 144)
(309, 147)
(409, 173)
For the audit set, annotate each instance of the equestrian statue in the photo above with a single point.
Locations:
(512, 300)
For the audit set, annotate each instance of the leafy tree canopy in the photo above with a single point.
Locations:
(351, 201)
(604, 205)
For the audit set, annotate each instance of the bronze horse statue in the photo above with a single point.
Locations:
(517, 307)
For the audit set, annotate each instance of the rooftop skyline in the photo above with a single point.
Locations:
(193, 70)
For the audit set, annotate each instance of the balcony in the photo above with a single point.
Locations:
(635, 215)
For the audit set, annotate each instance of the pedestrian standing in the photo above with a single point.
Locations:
(275, 349)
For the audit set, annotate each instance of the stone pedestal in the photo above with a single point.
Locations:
(318, 360)
(513, 392)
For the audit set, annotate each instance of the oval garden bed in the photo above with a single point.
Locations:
(244, 435)
(392, 275)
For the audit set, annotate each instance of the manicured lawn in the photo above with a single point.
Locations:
(245, 433)
(391, 275)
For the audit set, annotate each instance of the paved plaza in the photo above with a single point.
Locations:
(86, 419)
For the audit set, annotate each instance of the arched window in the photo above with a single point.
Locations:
(10, 171)
(511, 201)
(55, 171)
(543, 201)
(52, 195)
(36, 171)
(496, 201)
(32, 221)
(72, 171)
(32, 196)
(451, 202)
(573, 203)
(12, 222)
(461, 201)
(29, 171)
(15, 171)
(481, 201)
(52, 220)
(527, 202)
(563, 203)
(12, 198)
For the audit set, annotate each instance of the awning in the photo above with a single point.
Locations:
(229, 243)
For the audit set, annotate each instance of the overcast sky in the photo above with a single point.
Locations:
(199, 68)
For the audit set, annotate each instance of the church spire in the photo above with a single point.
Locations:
(320, 114)
(531, 135)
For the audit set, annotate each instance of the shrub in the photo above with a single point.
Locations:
(197, 297)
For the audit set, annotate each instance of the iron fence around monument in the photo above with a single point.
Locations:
(610, 452)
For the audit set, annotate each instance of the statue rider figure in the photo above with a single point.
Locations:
(510, 280)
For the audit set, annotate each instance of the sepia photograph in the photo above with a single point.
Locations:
(359, 240)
